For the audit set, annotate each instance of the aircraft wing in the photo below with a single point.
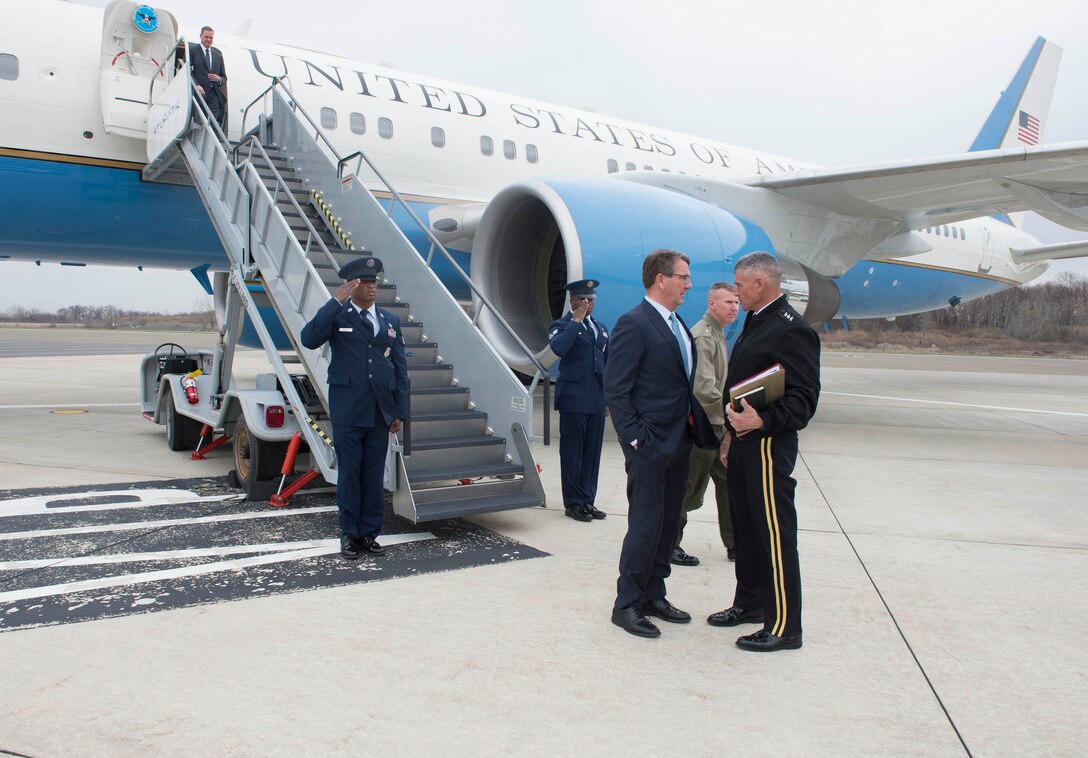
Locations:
(1051, 180)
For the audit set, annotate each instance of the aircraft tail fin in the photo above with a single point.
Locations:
(1019, 118)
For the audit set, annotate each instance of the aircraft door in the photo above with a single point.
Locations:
(987, 250)
(136, 39)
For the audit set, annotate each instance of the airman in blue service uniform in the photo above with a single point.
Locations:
(368, 393)
(581, 343)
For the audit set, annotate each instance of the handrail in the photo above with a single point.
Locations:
(252, 140)
(423, 227)
(159, 71)
(319, 134)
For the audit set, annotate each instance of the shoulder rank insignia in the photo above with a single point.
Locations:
(788, 316)
(553, 333)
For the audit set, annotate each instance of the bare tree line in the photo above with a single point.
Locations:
(109, 316)
(1056, 311)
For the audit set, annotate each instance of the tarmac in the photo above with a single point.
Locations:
(944, 554)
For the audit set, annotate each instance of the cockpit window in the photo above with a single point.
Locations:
(9, 67)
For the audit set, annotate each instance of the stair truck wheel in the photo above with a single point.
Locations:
(256, 459)
(182, 432)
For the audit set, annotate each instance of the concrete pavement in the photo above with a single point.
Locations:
(943, 553)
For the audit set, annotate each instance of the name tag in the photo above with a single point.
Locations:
(346, 329)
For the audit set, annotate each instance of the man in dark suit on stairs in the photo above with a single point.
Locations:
(368, 394)
(210, 74)
(648, 389)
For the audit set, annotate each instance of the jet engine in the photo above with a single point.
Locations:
(539, 234)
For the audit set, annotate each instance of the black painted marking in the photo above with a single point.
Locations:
(98, 527)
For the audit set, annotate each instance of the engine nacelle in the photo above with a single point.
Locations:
(813, 295)
(537, 235)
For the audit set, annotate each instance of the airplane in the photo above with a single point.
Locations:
(527, 194)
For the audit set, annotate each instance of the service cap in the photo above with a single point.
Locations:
(583, 287)
(366, 268)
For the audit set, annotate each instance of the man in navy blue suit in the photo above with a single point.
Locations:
(580, 342)
(648, 388)
(368, 392)
(210, 74)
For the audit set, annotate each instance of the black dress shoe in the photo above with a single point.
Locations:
(595, 512)
(348, 549)
(663, 609)
(765, 642)
(733, 615)
(633, 622)
(578, 512)
(680, 558)
(369, 546)
(731, 553)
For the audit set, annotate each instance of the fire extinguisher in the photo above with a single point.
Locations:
(188, 383)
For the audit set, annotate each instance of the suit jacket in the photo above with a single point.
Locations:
(648, 394)
(779, 334)
(200, 71)
(580, 386)
(366, 369)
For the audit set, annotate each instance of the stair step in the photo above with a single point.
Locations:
(459, 508)
(457, 453)
(470, 491)
(450, 474)
(443, 424)
(431, 375)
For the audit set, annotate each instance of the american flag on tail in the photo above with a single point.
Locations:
(1028, 133)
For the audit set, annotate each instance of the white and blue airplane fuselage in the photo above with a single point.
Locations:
(517, 185)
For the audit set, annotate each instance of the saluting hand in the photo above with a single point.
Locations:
(346, 290)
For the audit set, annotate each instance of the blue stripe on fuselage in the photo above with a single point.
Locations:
(874, 289)
(57, 211)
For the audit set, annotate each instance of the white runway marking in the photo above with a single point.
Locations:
(165, 522)
(958, 405)
(132, 498)
(324, 547)
(69, 405)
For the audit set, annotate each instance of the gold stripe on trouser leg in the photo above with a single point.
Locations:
(778, 578)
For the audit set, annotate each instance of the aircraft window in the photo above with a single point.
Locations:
(945, 230)
(509, 149)
(357, 122)
(531, 154)
(487, 145)
(385, 128)
(613, 167)
(9, 67)
(955, 233)
(630, 166)
(328, 118)
(647, 168)
(438, 136)
(963, 234)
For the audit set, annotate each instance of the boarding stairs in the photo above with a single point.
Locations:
(282, 203)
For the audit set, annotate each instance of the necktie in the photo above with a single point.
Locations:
(208, 59)
(368, 321)
(681, 342)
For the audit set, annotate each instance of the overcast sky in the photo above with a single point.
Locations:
(869, 81)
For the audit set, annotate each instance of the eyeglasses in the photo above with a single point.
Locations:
(685, 277)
